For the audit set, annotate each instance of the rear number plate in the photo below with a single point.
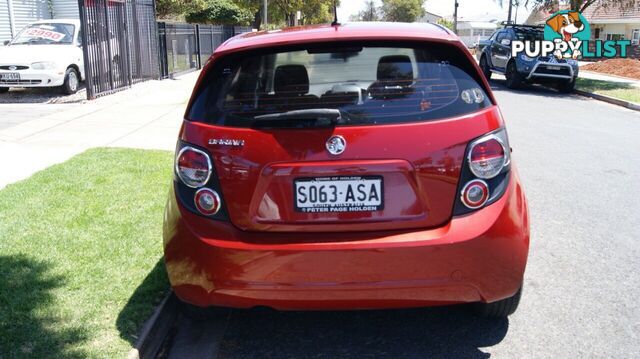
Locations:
(11, 76)
(339, 194)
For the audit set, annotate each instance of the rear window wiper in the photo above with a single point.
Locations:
(320, 114)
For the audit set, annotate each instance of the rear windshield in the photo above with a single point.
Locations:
(339, 85)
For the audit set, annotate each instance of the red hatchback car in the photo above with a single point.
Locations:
(345, 167)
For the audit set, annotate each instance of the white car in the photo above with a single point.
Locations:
(45, 53)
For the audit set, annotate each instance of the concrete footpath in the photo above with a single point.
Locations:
(36, 136)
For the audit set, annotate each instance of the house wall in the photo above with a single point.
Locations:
(65, 9)
(614, 29)
(471, 35)
(5, 24)
(430, 18)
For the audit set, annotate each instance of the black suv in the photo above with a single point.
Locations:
(494, 55)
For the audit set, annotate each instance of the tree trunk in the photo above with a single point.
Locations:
(257, 20)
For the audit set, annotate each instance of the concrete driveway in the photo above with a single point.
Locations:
(35, 136)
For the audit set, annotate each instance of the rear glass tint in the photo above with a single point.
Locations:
(339, 84)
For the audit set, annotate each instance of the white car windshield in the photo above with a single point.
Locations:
(45, 34)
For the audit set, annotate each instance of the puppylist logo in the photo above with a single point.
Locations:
(567, 34)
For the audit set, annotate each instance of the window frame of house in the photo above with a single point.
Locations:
(615, 37)
(635, 37)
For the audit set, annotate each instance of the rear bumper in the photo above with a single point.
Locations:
(478, 257)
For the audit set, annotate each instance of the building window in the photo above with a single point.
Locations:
(597, 33)
(635, 37)
(615, 37)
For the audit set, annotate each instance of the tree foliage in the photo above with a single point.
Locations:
(578, 5)
(247, 12)
(370, 13)
(311, 11)
(220, 12)
(255, 7)
(176, 8)
(402, 10)
(446, 23)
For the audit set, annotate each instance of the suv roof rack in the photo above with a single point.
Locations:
(512, 24)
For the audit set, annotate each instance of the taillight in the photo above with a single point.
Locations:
(485, 174)
(193, 167)
(487, 157)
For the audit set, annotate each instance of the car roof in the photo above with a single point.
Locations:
(344, 32)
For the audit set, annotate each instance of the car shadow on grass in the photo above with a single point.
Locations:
(142, 303)
(447, 332)
(27, 329)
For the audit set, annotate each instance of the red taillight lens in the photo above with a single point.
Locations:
(193, 167)
(475, 194)
(487, 158)
(207, 201)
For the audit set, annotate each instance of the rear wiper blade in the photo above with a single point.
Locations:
(330, 114)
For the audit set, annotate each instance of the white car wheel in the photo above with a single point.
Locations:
(71, 82)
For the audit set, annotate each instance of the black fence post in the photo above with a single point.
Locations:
(88, 71)
(163, 53)
(108, 41)
(128, 34)
(198, 51)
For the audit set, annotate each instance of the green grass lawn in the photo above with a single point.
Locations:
(80, 255)
(619, 90)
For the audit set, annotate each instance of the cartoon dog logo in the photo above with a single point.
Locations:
(566, 25)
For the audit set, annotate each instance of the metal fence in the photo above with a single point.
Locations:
(179, 51)
(119, 43)
(123, 44)
(209, 38)
(186, 47)
(144, 40)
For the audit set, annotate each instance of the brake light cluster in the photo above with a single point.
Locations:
(193, 168)
(488, 160)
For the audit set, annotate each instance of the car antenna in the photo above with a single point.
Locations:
(335, 15)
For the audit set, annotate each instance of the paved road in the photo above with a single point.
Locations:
(579, 160)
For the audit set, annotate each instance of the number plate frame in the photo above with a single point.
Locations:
(341, 207)
(10, 76)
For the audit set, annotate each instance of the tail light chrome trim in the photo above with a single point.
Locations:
(464, 198)
(501, 138)
(215, 206)
(188, 182)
